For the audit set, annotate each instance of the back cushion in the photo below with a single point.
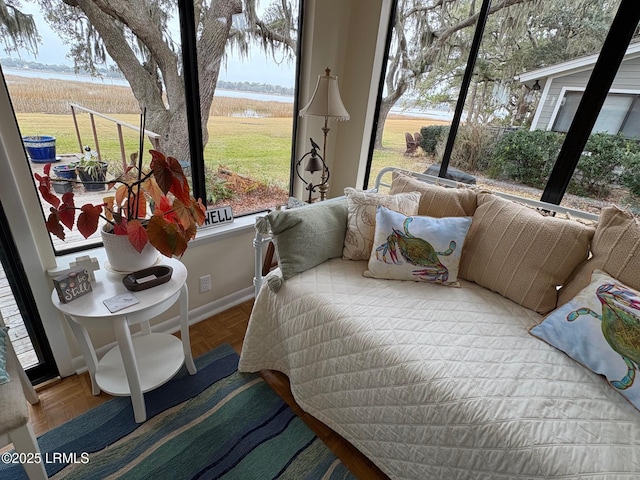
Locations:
(519, 253)
(615, 249)
(436, 200)
(307, 236)
(361, 218)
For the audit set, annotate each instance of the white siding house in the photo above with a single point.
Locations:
(563, 84)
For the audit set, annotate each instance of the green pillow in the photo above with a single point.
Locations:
(308, 236)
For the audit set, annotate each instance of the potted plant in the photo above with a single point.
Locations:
(169, 228)
(92, 171)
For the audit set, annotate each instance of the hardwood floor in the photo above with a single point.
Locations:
(63, 399)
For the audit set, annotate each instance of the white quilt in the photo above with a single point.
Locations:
(434, 382)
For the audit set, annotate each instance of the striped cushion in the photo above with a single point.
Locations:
(436, 200)
(519, 253)
(615, 249)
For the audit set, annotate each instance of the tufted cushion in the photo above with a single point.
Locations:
(361, 219)
(436, 200)
(615, 249)
(521, 254)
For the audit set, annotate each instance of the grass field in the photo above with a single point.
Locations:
(251, 138)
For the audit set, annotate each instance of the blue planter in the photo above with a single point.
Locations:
(65, 171)
(41, 148)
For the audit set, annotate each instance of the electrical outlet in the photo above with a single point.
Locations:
(205, 283)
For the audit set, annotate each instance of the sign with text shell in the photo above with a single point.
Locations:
(217, 216)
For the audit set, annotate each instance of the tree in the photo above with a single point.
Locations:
(136, 35)
(425, 32)
(431, 41)
(516, 39)
(17, 29)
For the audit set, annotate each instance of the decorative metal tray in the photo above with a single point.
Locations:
(147, 278)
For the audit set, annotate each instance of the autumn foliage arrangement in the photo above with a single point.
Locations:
(169, 227)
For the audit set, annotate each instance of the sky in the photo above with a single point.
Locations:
(256, 68)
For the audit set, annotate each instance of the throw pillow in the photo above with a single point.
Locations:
(615, 249)
(521, 254)
(4, 334)
(307, 236)
(361, 218)
(417, 248)
(436, 200)
(600, 328)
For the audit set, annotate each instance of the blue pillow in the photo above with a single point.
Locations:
(4, 376)
(600, 328)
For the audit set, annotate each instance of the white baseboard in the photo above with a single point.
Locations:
(172, 325)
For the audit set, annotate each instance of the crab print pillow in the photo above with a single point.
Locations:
(600, 328)
(417, 248)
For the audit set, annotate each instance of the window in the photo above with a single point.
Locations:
(619, 114)
(427, 65)
(246, 96)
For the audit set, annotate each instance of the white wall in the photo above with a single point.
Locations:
(344, 35)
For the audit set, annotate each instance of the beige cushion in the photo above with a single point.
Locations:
(519, 253)
(615, 249)
(436, 200)
(361, 218)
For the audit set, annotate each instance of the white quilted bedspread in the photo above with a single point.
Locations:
(434, 382)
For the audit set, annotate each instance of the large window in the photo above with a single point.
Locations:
(93, 74)
(494, 144)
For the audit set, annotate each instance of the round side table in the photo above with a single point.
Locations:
(139, 363)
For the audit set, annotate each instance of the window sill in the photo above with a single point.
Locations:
(207, 235)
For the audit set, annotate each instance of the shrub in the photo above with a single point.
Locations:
(526, 156)
(600, 164)
(630, 178)
(472, 148)
(430, 137)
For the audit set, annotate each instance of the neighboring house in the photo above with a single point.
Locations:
(563, 84)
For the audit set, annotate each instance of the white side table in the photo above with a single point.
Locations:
(140, 363)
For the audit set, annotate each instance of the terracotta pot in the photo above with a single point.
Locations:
(122, 257)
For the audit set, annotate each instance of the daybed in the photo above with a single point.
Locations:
(434, 381)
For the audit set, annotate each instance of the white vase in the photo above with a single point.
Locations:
(122, 257)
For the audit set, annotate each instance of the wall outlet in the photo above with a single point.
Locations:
(205, 283)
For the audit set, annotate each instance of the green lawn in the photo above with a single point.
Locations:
(257, 147)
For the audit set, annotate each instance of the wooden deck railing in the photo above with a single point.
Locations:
(153, 137)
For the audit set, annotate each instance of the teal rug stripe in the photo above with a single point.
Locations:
(227, 425)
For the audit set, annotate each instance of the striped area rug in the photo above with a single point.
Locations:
(218, 423)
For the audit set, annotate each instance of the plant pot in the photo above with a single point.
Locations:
(61, 186)
(41, 148)
(65, 171)
(121, 255)
(94, 181)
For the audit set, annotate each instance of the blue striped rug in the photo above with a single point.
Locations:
(218, 423)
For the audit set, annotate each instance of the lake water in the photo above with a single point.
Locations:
(411, 112)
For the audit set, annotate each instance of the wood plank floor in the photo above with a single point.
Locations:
(63, 399)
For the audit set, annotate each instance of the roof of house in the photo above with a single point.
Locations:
(570, 66)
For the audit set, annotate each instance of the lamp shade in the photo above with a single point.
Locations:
(326, 101)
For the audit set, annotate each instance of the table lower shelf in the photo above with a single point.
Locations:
(159, 357)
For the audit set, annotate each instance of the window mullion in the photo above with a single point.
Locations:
(192, 96)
